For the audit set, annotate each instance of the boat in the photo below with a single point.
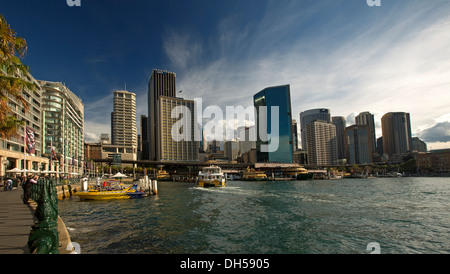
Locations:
(211, 176)
(162, 175)
(251, 174)
(298, 172)
(113, 194)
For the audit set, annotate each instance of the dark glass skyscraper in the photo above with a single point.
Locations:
(279, 96)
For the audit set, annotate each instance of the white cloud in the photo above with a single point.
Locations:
(399, 62)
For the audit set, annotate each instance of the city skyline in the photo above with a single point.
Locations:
(341, 55)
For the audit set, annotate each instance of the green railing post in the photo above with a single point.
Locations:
(44, 236)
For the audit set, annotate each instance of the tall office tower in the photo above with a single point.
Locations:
(246, 138)
(161, 83)
(144, 137)
(357, 144)
(169, 147)
(396, 129)
(64, 126)
(366, 118)
(321, 143)
(279, 96)
(13, 149)
(124, 130)
(231, 150)
(307, 117)
(294, 131)
(340, 124)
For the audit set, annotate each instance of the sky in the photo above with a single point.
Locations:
(338, 54)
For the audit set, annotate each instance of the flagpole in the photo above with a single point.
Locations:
(51, 154)
(25, 148)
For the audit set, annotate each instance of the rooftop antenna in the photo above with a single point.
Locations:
(125, 86)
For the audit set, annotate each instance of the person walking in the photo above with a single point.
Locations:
(9, 184)
(27, 188)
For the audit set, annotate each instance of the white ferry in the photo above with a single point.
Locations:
(211, 176)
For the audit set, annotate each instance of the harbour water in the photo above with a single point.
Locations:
(403, 215)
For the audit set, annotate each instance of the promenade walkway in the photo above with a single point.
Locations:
(16, 219)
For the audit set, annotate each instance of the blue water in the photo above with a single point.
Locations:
(403, 215)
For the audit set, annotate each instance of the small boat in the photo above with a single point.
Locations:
(95, 194)
(253, 175)
(211, 176)
(162, 175)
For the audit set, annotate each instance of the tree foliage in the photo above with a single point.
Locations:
(12, 48)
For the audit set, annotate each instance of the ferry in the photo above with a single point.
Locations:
(114, 194)
(162, 175)
(298, 172)
(211, 176)
(252, 175)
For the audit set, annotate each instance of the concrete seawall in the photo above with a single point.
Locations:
(64, 236)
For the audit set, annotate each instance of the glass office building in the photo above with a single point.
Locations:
(279, 96)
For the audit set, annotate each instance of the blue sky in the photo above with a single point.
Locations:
(338, 54)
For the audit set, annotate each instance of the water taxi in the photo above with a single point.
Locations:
(211, 176)
(252, 175)
(114, 194)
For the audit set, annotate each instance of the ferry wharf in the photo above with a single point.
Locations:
(16, 220)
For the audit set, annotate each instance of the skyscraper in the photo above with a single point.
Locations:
(294, 134)
(340, 124)
(168, 148)
(357, 144)
(307, 117)
(321, 143)
(123, 119)
(161, 83)
(279, 96)
(366, 118)
(396, 128)
(144, 138)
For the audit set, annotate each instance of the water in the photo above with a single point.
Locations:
(403, 215)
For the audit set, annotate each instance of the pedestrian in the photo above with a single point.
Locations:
(27, 188)
(9, 184)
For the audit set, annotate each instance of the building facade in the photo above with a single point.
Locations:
(231, 150)
(13, 150)
(340, 124)
(436, 162)
(144, 138)
(357, 147)
(168, 146)
(368, 119)
(63, 122)
(418, 145)
(279, 96)
(308, 116)
(321, 143)
(161, 83)
(124, 130)
(396, 129)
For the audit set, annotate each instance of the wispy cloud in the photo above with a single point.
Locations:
(396, 58)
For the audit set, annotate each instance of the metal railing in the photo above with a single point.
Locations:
(44, 238)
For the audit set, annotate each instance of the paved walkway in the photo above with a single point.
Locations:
(16, 220)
